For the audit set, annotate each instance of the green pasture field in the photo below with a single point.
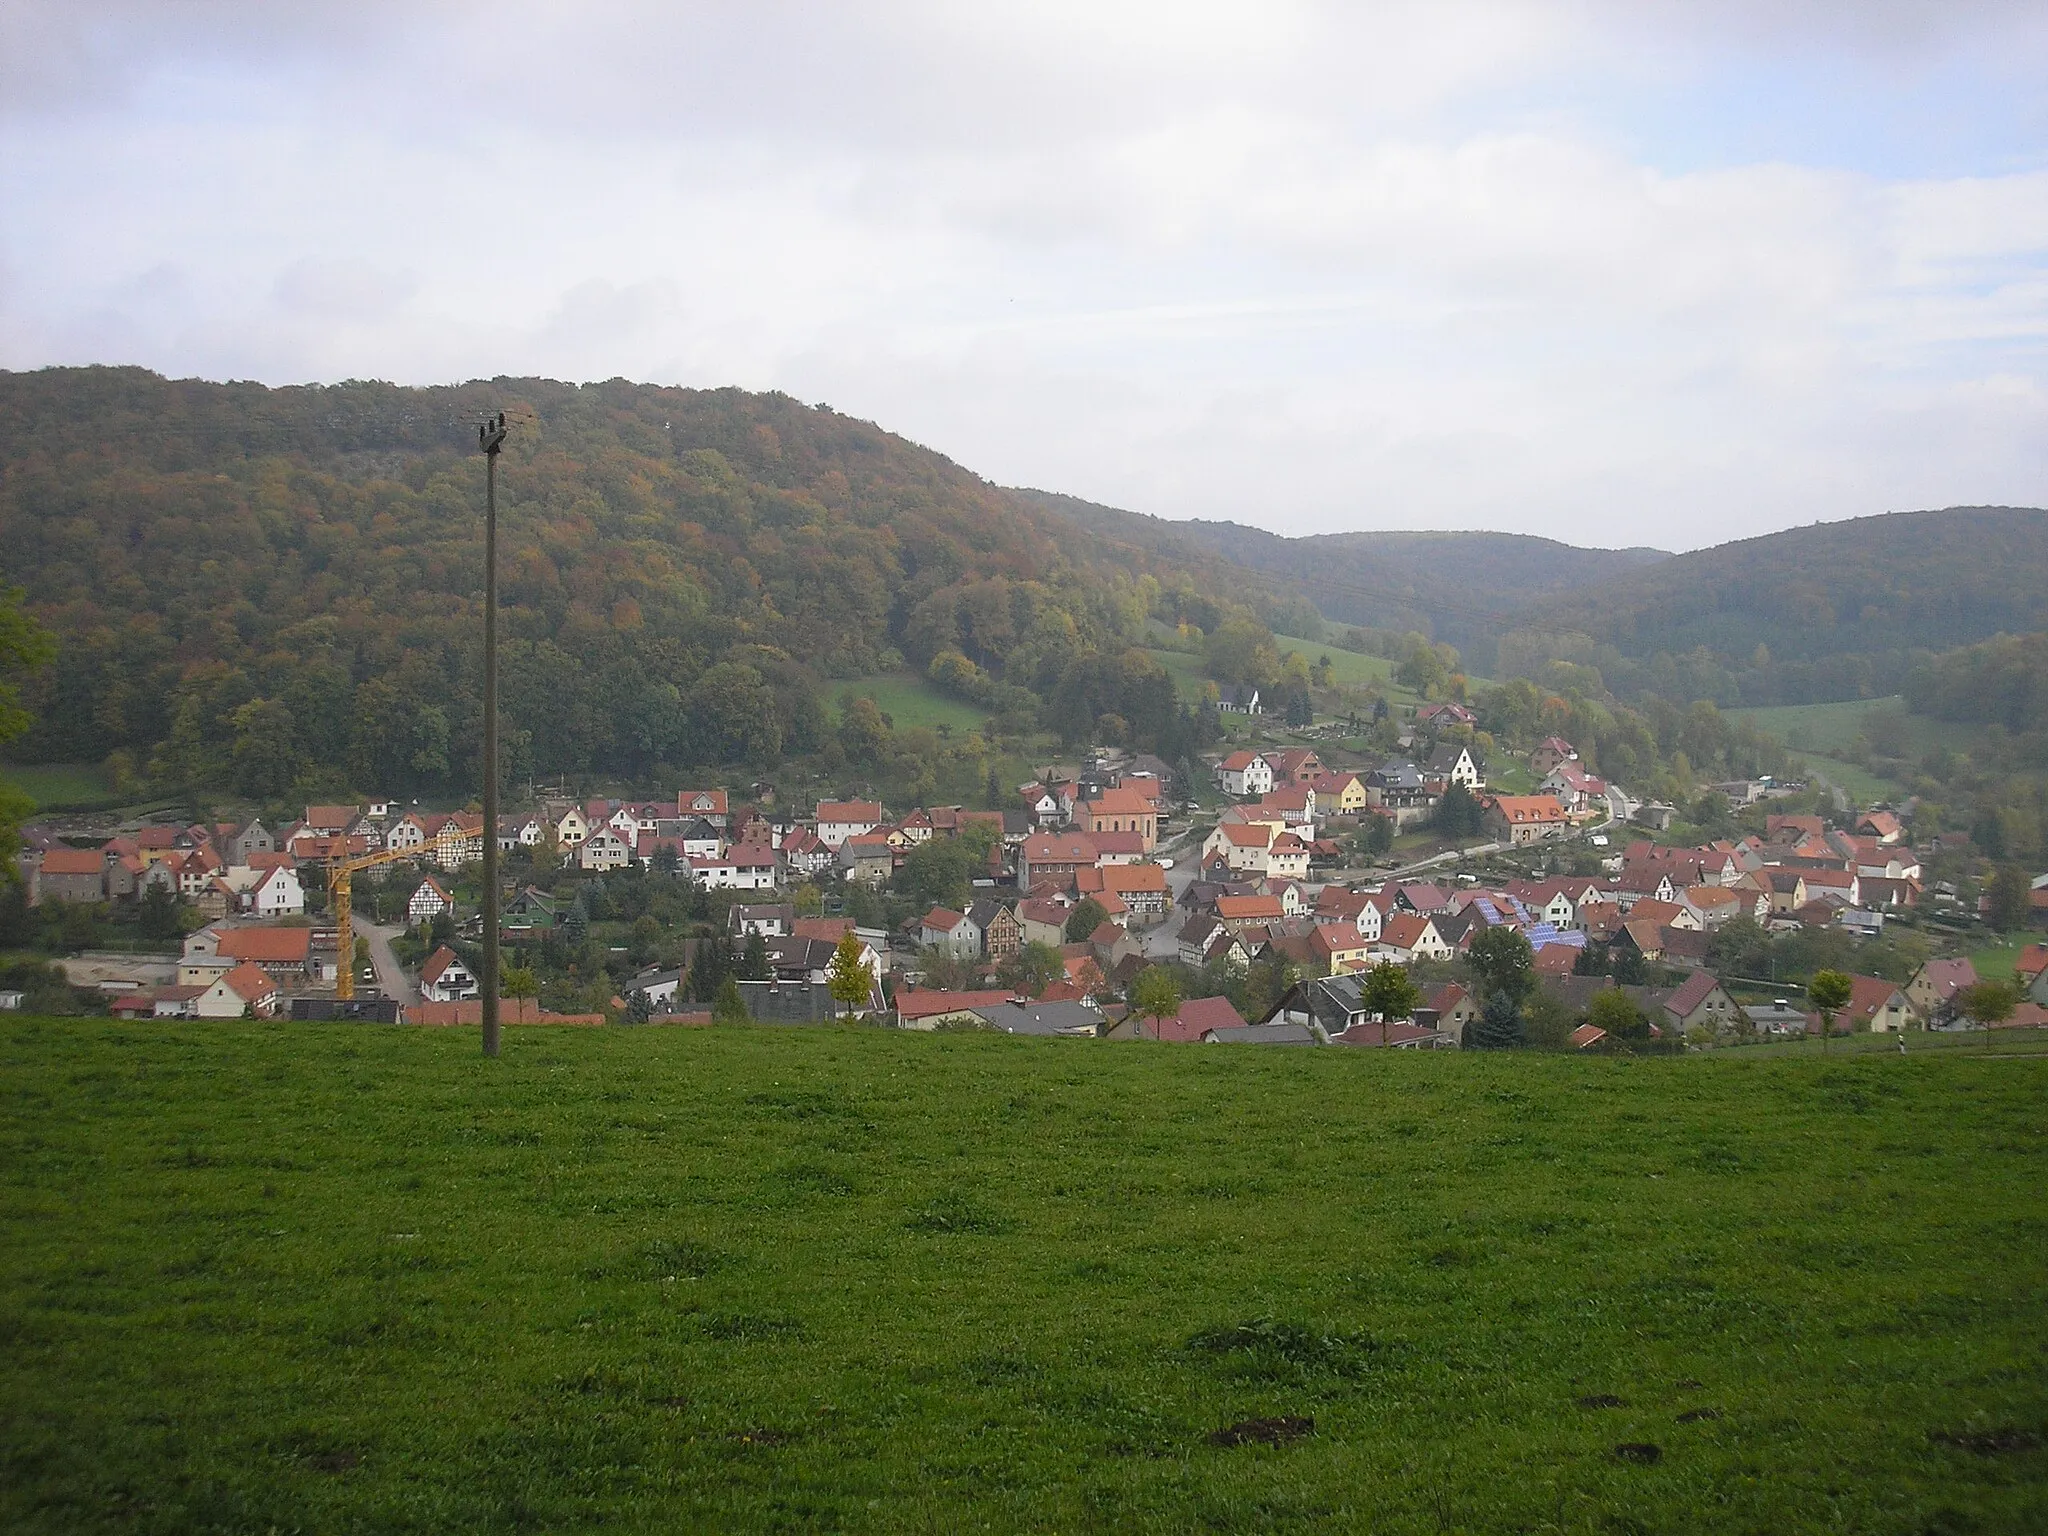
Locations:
(267, 1277)
(1350, 669)
(1826, 728)
(57, 783)
(1998, 962)
(910, 700)
(1858, 783)
(1185, 669)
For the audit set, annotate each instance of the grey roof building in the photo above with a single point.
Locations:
(1262, 1034)
(1075, 1020)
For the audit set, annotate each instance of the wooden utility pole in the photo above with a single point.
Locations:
(490, 438)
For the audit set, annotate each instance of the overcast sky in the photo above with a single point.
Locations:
(1648, 271)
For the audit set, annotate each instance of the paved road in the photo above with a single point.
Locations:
(391, 978)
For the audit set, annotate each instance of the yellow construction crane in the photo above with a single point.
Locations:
(341, 891)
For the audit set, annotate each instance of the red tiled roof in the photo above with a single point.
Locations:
(73, 861)
(272, 945)
(1238, 909)
(929, 1004)
(1196, 1015)
(249, 983)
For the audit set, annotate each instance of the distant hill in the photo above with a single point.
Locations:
(1457, 587)
(269, 582)
(1833, 611)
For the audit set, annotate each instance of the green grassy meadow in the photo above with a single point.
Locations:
(57, 783)
(331, 1278)
(1826, 728)
(909, 700)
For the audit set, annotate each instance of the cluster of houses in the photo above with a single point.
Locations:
(223, 870)
(1295, 785)
(1252, 896)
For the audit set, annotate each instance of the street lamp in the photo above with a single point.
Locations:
(490, 437)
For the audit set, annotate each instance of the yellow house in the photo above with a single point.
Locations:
(1341, 794)
(1341, 946)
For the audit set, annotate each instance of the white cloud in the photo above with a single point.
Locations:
(1308, 266)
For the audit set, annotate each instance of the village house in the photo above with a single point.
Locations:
(1699, 1003)
(1932, 989)
(603, 850)
(1357, 910)
(1053, 857)
(69, 874)
(269, 888)
(770, 919)
(1295, 765)
(1042, 920)
(1397, 788)
(445, 979)
(1573, 787)
(952, 932)
(1002, 936)
(1338, 948)
(1452, 763)
(1339, 794)
(930, 1010)
(1876, 1005)
(806, 854)
(839, 820)
(1237, 913)
(284, 954)
(1141, 887)
(1408, 936)
(1287, 858)
(570, 827)
(1549, 752)
(709, 804)
(1244, 775)
(1518, 820)
(867, 857)
(428, 901)
(244, 991)
(1448, 1009)
(1245, 847)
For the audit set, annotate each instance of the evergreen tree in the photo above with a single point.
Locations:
(1498, 1027)
(728, 1007)
(710, 968)
(754, 967)
(1458, 814)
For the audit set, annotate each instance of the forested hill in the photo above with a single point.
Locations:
(1455, 587)
(285, 579)
(1833, 611)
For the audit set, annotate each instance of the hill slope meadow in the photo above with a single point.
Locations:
(258, 1277)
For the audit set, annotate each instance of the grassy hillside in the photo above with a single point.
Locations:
(330, 1278)
(909, 700)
